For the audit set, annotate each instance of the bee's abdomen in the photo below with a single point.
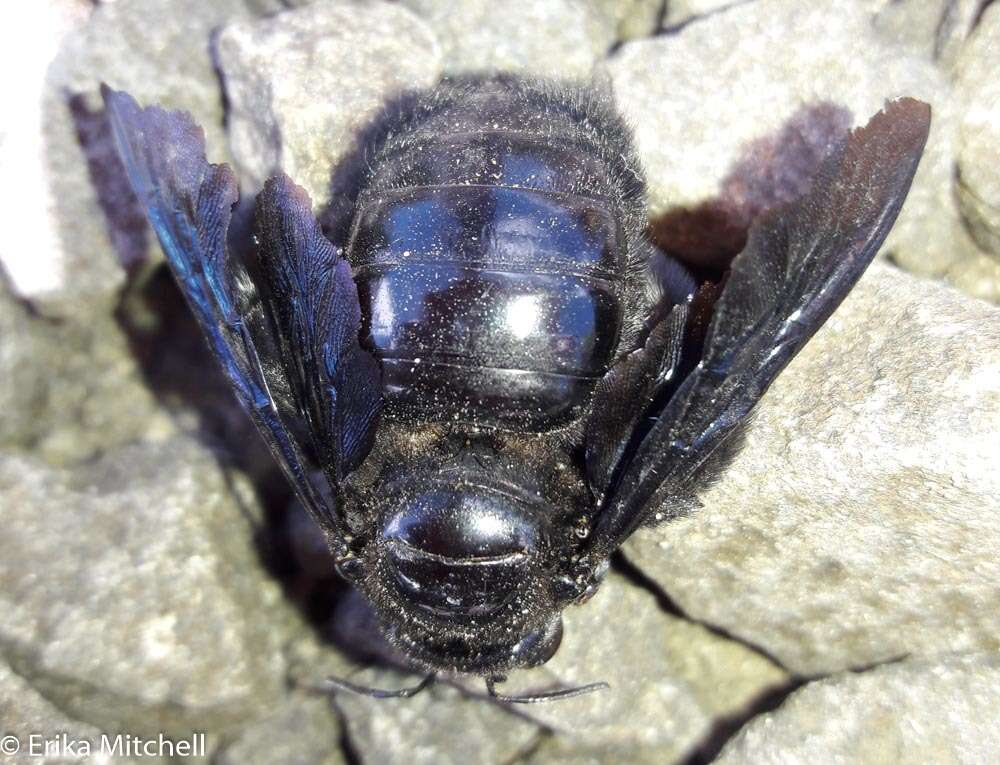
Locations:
(489, 305)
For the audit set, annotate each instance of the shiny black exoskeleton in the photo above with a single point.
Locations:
(498, 252)
(485, 388)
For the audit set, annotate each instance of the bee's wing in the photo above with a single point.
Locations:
(798, 264)
(629, 398)
(189, 203)
(311, 295)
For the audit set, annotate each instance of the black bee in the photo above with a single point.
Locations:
(493, 385)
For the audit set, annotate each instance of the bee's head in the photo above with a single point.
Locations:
(461, 573)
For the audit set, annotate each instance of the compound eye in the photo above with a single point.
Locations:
(461, 551)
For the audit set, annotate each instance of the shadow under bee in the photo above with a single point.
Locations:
(772, 170)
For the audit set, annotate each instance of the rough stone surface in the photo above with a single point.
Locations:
(698, 99)
(670, 680)
(158, 50)
(562, 750)
(978, 184)
(312, 658)
(132, 593)
(301, 85)
(557, 38)
(680, 12)
(912, 712)
(860, 522)
(300, 729)
(978, 276)
(934, 29)
(24, 713)
(67, 390)
(631, 18)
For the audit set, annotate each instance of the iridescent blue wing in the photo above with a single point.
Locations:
(313, 300)
(189, 203)
(798, 264)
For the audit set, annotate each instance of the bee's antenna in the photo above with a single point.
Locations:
(539, 698)
(339, 684)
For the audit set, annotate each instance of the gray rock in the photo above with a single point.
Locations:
(437, 727)
(935, 29)
(313, 658)
(912, 712)
(631, 18)
(301, 729)
(132, 593)
(859, 524)
(979, 277)
(699, 97)
(978, 88)
(301, 85)
(289, 4)
(25, 713)
(70, 390)
(562, 750)
(160, 51)
(557, 38)
(671, 680)
(680, 12)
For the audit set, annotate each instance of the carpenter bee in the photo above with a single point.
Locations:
(485, 388)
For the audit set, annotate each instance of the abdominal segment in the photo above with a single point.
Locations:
(490, 306)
